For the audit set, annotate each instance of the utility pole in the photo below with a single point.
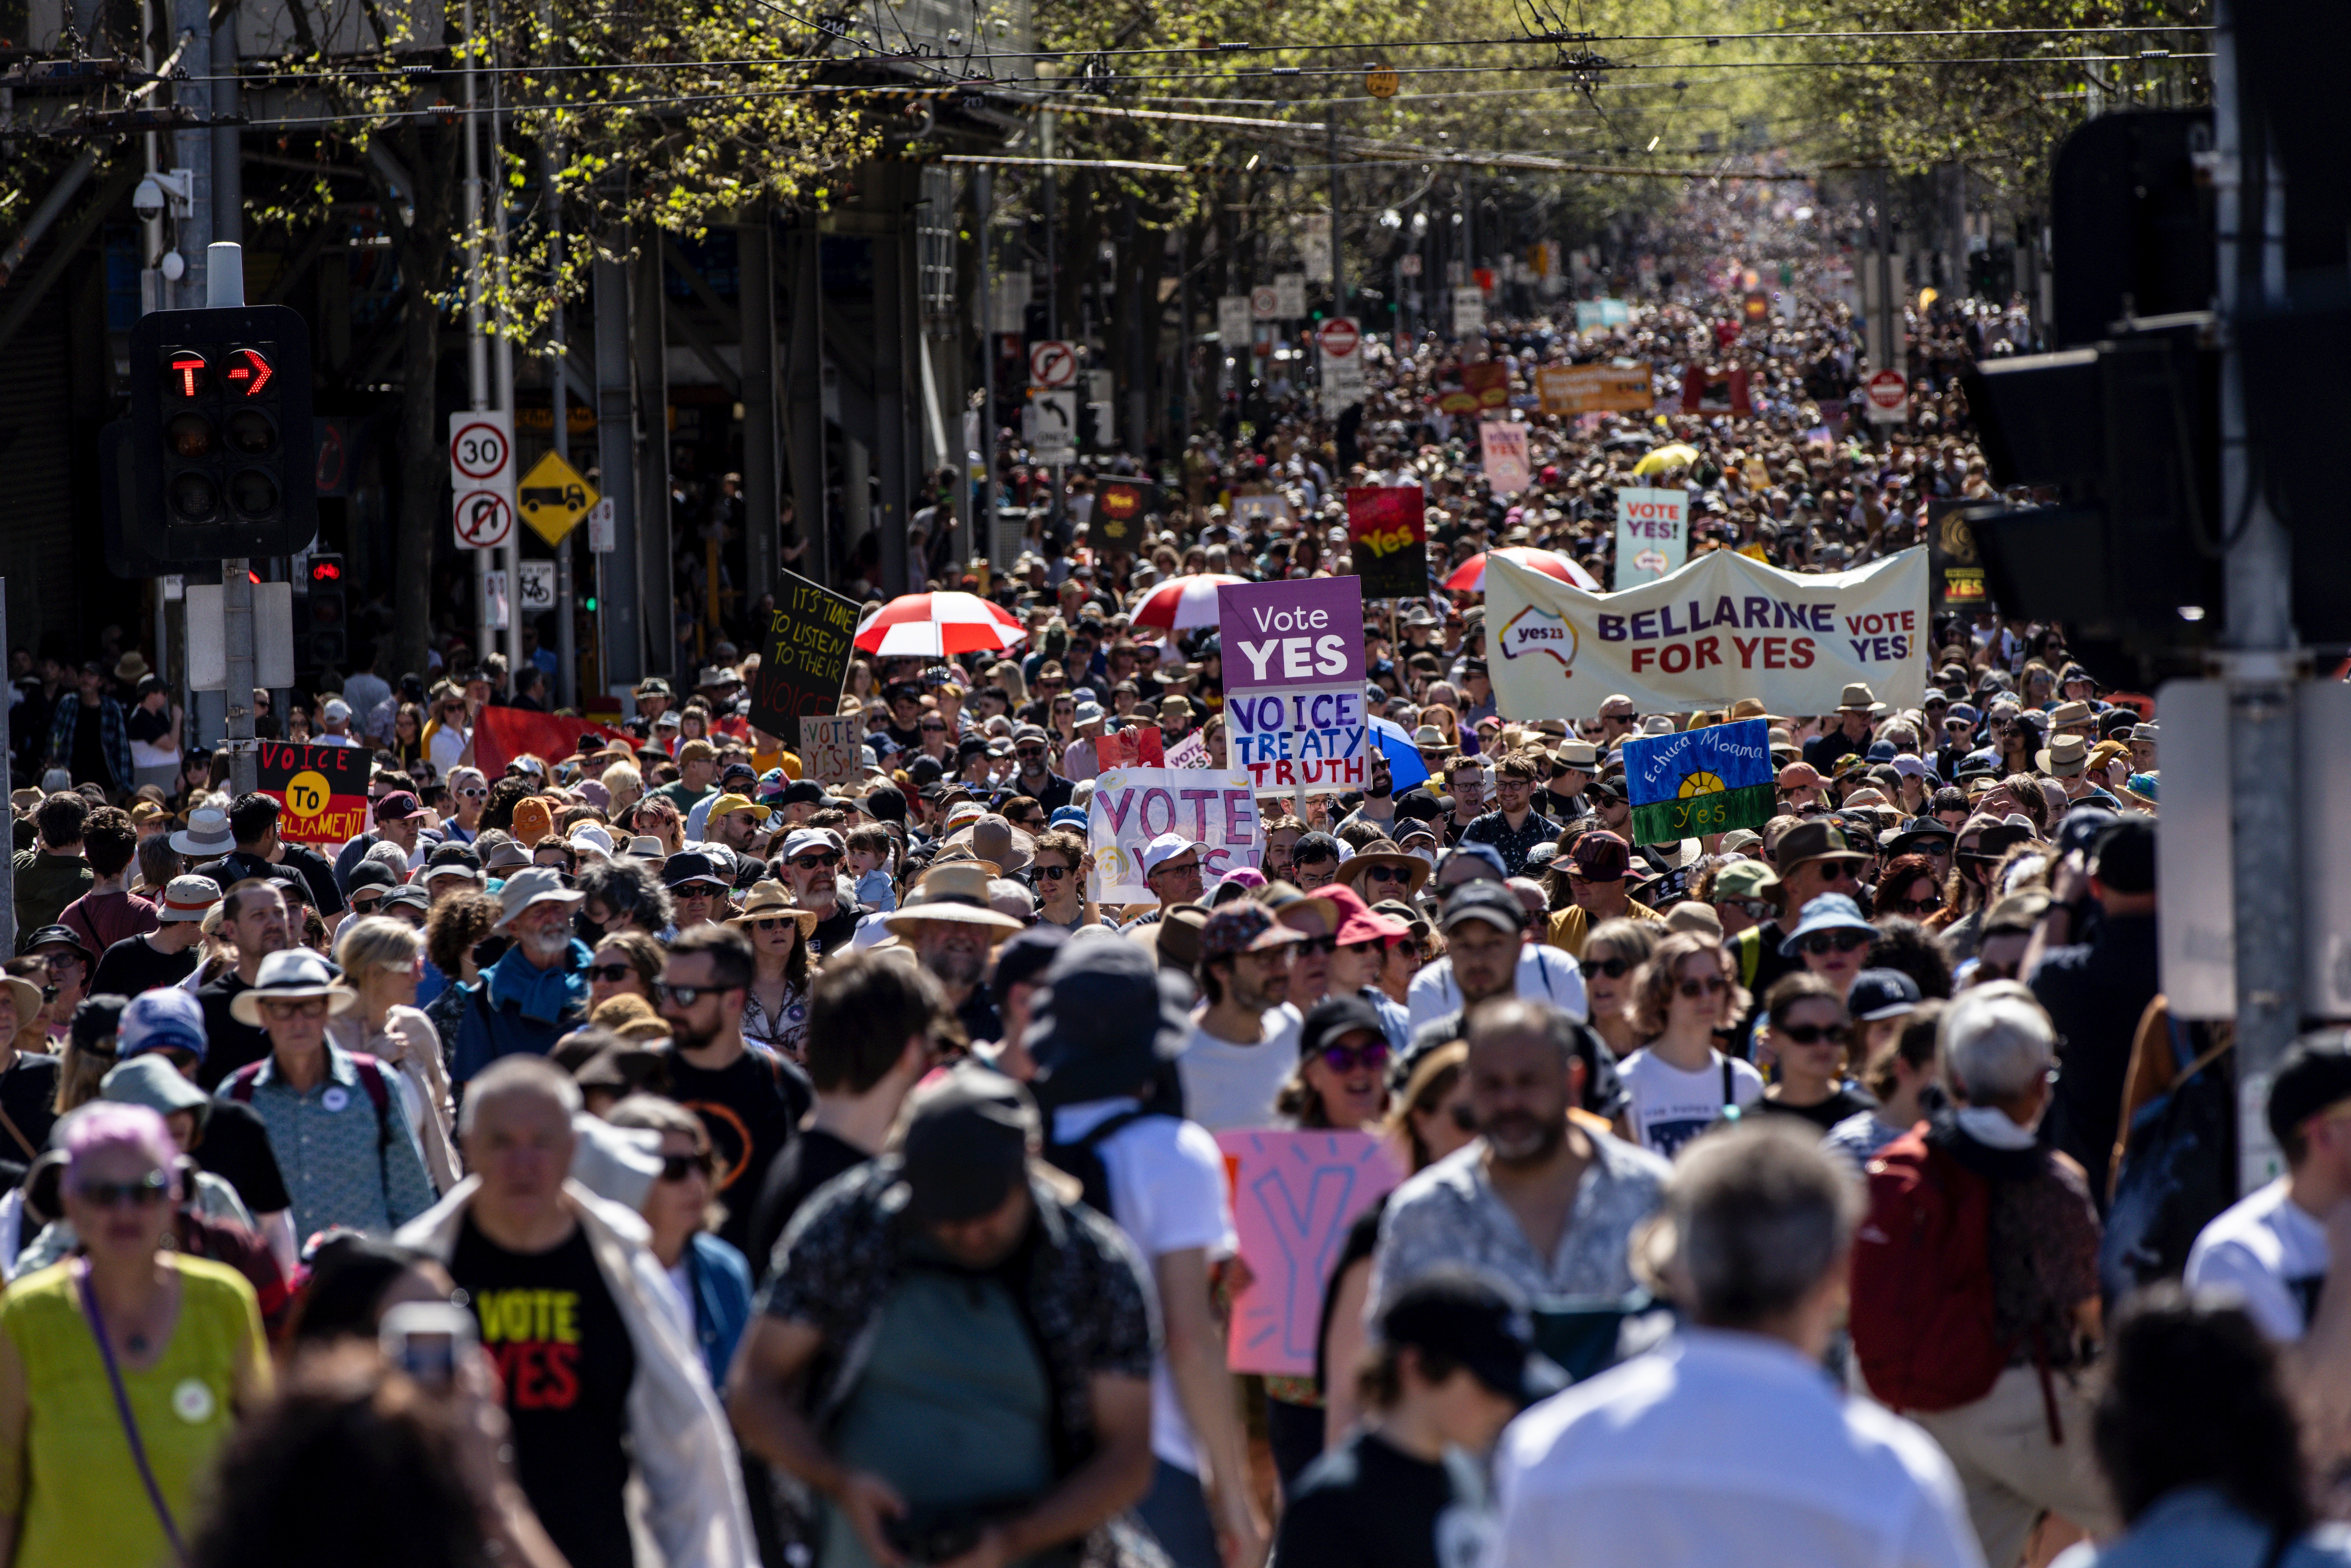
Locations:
(225, 290)
(1338, 270)
(502, 352)
(567, 661)
(2263, 661)
(984, 200)
(1053, 271)
(477, 342)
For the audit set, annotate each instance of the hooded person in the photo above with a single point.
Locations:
(1106, 1029)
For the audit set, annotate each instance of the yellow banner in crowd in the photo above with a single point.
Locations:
(1723, 627)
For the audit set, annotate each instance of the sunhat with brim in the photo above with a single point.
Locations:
(288, 976)
(28, 997)
(1385, 852)
(956, 892)
(532, 885)
(154, 1082)
(187, 898)
(995, 840)
(206, 836)
(1829, 912)
(771, 898)
(646, 847)
(502, 858)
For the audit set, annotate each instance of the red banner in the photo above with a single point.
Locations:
(505, 733)
(1706, 389)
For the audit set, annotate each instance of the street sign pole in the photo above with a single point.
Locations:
(2262, 662)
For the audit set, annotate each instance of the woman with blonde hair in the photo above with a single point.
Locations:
(1005, 676)
(624, 786)
(1683, 1000)
(382, 959)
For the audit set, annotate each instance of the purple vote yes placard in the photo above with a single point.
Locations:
(1283, 634)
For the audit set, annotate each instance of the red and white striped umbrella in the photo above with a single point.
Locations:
(1183, 604)
(1470, 577)
(933, 625)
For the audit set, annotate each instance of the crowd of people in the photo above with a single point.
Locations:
(658, 1153)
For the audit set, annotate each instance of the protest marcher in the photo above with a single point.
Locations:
(603, 1381)
(2096, 988)
(167, 953)
(1808, 1036)
(1454, 1363)
(538, 990)
(1104, 1032)
(1613, 952)
(108, 912)
(1244, 1039)
(947, 921)
(712, 1281)
(2196, 1435)
(750, 1098)
(775, 1003)
(954, 1405)
(1514, 827)
(1728, 1445)
(1678, 1084)
(1902, 1074)
(1543, 1202)
(124, 1369)
(1999, 1391)
(810, 862)
(1831, 943)
(380, 958)
(340, 1129)
(1596, 864)
(2273, 1248)
(876, 1026)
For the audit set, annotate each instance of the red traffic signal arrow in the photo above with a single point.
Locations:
(251, 373)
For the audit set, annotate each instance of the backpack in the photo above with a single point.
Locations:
(1080, 1159)
(1922, 1317)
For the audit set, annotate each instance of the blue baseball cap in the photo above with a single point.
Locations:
(165, 1019)
(1068, 816)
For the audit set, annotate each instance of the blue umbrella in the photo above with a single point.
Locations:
(1405, 767)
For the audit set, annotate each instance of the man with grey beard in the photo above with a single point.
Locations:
(1540, 1201)
(537, 992)
(810, 864)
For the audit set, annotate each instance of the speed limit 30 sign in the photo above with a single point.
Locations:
(482, 478)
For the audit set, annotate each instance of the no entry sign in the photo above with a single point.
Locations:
(1339, 335)
(1889, 397)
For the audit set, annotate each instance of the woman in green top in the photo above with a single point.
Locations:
(121, 1371)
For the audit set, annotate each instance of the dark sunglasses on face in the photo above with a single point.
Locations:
(1348, 1058)
(610, 974)
(684, 996)
(1712, 986)
(678, 1168)
(1052, 873)
(1839, 871)
(815, 859)
(1313, 945)
(1809, 1033)
(366, 905)
(1824, 941)
(1613, 968)
(1386, 873)
(774, 922)
(146, 1192)
(1928, 905)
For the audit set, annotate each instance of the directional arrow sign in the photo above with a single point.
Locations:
(483, 519)
(1057, 426)
(555, 498)
(1052, 364)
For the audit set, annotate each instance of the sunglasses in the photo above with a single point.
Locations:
(1053, 873)
(935, 728)
(610, 974)
(1384, 873)
(814, 860)
(1809, 1033)
(366, 905)
(1712, 986)
(145, 1193)
(684, 996)
(1932, 902)
(1028, 753)
(1824, 941)
(307, 1007)
(470, 793)
(1839, 871)
(1613, 968)
(774, 922)
(1347, 1057)
(678, 1168)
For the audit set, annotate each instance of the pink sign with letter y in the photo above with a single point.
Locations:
(1295, 1195)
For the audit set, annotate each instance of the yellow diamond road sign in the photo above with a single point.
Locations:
(554, 498)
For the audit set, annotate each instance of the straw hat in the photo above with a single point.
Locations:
(769, 897)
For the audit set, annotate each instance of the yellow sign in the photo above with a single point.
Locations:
(307, 793)
(1380, 81)
(554, 497)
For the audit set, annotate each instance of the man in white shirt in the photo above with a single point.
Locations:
(1244, 1042)
(2273, 1247)
(1731, 1443)
(1543, 973)
(335, 724)
(1102, 1033)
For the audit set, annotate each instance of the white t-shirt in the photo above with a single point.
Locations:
(1669, 1107)
(1167, 1193)
(1228, 1085)
(2266, 1248)
(1545, 974)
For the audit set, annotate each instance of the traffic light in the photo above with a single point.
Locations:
(326, 641)
(220, 420)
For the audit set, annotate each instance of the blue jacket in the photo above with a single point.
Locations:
(517, 1006)
(2196, 1527)
(722, 1302)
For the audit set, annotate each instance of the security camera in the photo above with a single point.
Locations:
(147, 201)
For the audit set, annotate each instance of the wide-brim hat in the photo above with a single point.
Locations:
(1858, 698)
(993, 838)
(955, 892)
(1815, 840)
(532, 884)
(132, 666)
(206, 836)
(289, 975)
(28, 997)
(1829, 912)
(1384, 853)
(767, 898)
(2065, 757)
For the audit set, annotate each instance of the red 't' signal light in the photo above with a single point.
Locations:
(189, 371)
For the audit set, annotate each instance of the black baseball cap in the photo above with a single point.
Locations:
(1314, 847)
(1476, 1323)
(966, 1145)
(1491, 901)
(2314, 1076)
(2124, 856)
